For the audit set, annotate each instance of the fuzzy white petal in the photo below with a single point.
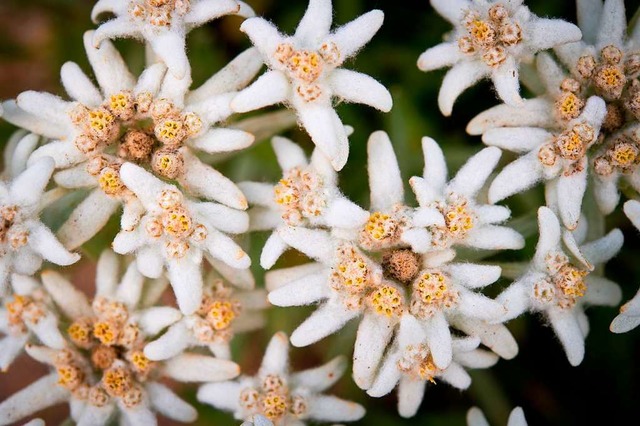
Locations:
(327, 319)
(374, 334)
(459, 78)
(356, 87)
(271, 88)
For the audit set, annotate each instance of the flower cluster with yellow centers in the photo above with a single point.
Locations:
(158, 13)
(107, 345)
(212, 322)
(175, 224)
(489, 36)
(569, 146)
(23, 309)
(304, 67)
(106, 169)
(570, 103)
(458, 218)
(565, 284)
(272, 399)
(351, 276)
(11, 232)
(620, 153)
(430, 293)
(301, 195)
(382, 230)
(417, 362)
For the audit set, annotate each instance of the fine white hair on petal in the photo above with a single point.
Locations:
(456, 376)
(205, 11)
(71, 301)
(435, 166)
(63, 153)
(567, 329)
(304, 291)
(451, 10)
(185, 277)
(45, 106)
(79, 86)
(438, 338)
(128, 241)
(270, 88)
(439, 56)
(75, 177)
(143, 184)
(612, 25)
(410, 394)
(571, 189)
(172, 343)
(41, 394)
(388, 376)
(342, 213)
(224, 395)
(46, 329)
(491, 237)
(258, 193)
(94, 415)
(151, 79)
(385, 181)
(170, 47)
(356, 87)
(263, 35)
(516, 139)
(475, 417)
(602, 292)
(472, 176)
(537, 112)
(21, 118)
(506, 82)
(352, 36)
(288, 153)
(19, 148)
(150, 261)
(27, 188)
(459, 78)
(479, 306)
(629, 317)
(326, 130)
(10, 349)
(45, 244)
(516, 298)
(551, 73)
(425, 192)
(315, 24)
(321, 378)
(276, 357)
(374, 334)
(223, 140)
(315, 243)
(221, 217)
(589, 12)
(328, 408)
(474, 276)
(548, 33)
(605, 190)
(327, 319)
(632, 210)
(494, 336)
(188, 367)
(603, 249)
(516, 418)
(108, 66)
(167, 403)
(272, 250)
(477, 359)
(130, 288)
(550, 234)
(153, 320)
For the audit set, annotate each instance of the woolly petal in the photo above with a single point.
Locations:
(547, 33)
(276, 356)
(300, 292)
(224, 396)
(315, 24)
(474, 276)
(456, 376)
(567, 328)
(202, 12)
(613, 24)
(326, 130)
(126, 242)
(451, 10)
(278, 278)
(388, 376)
(632, 210)
(79, 86)
(223, 140)
(602, 292)
(360, 88)
(64, 154)
(475, 417)
(10, 348)
(271, 88)
(150, 261)
(516, 177)
(459, 78)
(27, 188)
(385, 181)
(75, 177)
(143, 184)
(93, 415)
(438, 338)
(439, 56)
(537, 112)
(315, 243)
(321, 378)
(32, 122)
(410, 395)
(109, 67)
(71, 301)
(507, 83)
(490, 237)
(46, 329)
(327, 319)
(472, 176)
(46, 106)
(43, 242)
(327, 408)
(170, 405)
(571, 190)
(185, 277)
(374, 334)
(352, 36)
(172, 343)
(170, 47)
(605, 190)
(223, 248)
(200, 368)
(263, 35)
(516, 139)
(342, 213)
(39, 395)
(603, 249)
(589, 12)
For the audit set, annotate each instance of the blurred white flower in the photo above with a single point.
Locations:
(475, 417)
(561, 160)
(257, 420)
(305, 73)
(306, 196)
(24, 240)
(102, 370)
(175, 232)
(554, 285)
(490, 39)
(154, 121)
(283, 397)
(163, 24)
(409, 364)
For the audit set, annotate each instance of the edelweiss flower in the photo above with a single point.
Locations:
(102, 370)
(490, 39)
(379, 276)
(409, 364)
(283, 397)
(305, 73)
(450, 213)
(154, 122)
(224, 311)
(163, 24)
(475, 417)
(24, 240)
(175, 232)
(26, 314)
(307, 196)
(557, 287)
(629, 316)
(562, 160)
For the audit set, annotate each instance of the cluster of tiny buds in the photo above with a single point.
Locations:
(300, 194)
(570, 146)
(417, 362)
(609, 75)
(352, 276)
(489, 36)
(272, 399)
(11, 231)
(459, 219)
(158, 13)
(431, 293)
(622, 153)
(213, 320)
(383, 230)
(304, 67)
(564, 284)
(25, 309)
(106, 169)
(570, 103)
(175, 223)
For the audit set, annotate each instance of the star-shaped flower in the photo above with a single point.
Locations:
(560, 287)
(175, 232)
(154, 121)
(306, 196)
(163, 24)
(305, 73)
(281, 396)
(490, 39)
(24, 240)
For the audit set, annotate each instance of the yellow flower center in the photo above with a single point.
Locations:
(221, 314)
(106, 332)
(274, 405)
(110, 182)
(117, 381)
(387, 301)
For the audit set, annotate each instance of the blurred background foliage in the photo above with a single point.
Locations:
(38, 36)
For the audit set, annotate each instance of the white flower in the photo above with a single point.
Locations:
(175, 232)
(17, 151)
(26, 315)
(24, 240)
(305, 73)
(561, 160)
(100, 129)
(223, 312)
(451, 213)
(281, 396)
(257, 420)
(163, 24)
(475, 417)
(490, 39)
(102, 370)
(557, 287)
(409, 364)
(629, 316)
(306, 196)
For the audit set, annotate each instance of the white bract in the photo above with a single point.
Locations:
(490, 39)
(163, 24)
(306, 196)
(101, 369)
(283, 397)
(560, 287)
(475, 417)
(24, 240)
(175, 231)
(409, 364)
(100, 129)
(305, 73)
(561, 160)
